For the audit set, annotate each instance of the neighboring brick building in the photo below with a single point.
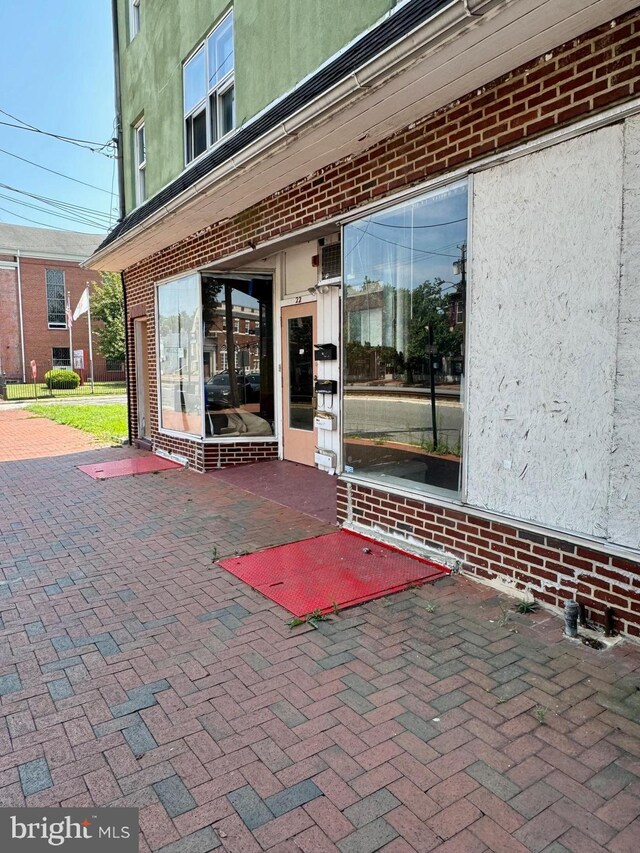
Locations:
(451, 201)
(38, 268)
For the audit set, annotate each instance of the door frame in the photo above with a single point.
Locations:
(141, 362)
(305, 308)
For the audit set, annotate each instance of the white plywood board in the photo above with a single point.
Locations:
(624, 493)
(543, 324)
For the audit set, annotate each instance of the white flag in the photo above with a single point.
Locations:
(83, 305)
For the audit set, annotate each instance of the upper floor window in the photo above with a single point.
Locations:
(209, 112)
(140, 161)
(134, 18)
(56, 299)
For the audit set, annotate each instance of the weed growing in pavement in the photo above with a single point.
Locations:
(429, 606)
(527, 606)
(310, 619)
(504, 615)
(500, 700)
(316, 616)
(335, 607)
(214, 554)
(540, 713)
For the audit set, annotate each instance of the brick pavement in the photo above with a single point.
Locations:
(25, 436)
(136, 672)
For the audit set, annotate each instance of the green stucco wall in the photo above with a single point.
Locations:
(277, 43)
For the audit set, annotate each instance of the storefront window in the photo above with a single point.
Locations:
(237, 318)
(179, 355)
(405, 293)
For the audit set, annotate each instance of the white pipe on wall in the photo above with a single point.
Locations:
(24, 367)
(16, 266)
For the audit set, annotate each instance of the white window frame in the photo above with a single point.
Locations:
(139, 133)
(134, 19)
(215, 93)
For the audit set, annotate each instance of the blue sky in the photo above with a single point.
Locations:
(56, 73)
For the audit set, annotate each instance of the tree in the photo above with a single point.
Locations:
(431, 308)
(107, 304)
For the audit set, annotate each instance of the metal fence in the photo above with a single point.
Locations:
(104, 384)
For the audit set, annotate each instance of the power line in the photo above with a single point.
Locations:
(35, 222)
(96, 147)
(53, 172)
(82, 220)
(408, 248)
(68, 207)
(416, 227)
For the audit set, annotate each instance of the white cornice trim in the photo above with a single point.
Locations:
(27, 254)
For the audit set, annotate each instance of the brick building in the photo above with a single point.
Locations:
(38, 268)
(435, 222)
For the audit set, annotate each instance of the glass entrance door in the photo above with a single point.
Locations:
(298, 339)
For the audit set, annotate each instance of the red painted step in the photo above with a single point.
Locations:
(340, 568)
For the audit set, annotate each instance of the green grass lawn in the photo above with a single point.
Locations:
(28, 391)
(107, 421)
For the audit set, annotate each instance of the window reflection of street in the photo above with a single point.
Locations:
(237, 354)
(300, 337)
(405, 277)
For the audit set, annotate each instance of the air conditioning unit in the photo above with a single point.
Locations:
(330, 251)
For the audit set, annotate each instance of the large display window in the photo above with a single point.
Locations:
(405, 274)
(179, 355)
(215, 350)
(237, 321)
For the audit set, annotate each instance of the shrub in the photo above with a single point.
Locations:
(58, 379)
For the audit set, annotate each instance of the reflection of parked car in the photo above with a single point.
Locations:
(254, 380)
(217, 390)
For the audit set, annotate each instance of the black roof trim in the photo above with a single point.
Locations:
(367, 48)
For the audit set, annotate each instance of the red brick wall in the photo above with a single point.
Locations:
(38, 338)
(551, 567)
(224, 455)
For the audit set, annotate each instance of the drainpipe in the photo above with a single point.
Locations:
(118, 106)
(15, 265)
(127, 375)
(24, 366)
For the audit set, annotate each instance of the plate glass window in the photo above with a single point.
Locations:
(141, 162)
(404, 333)
(300, 343)
(56, 316)
(208, 84)
(238, 364)
(179, 345)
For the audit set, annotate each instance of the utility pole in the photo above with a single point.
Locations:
(432, 384)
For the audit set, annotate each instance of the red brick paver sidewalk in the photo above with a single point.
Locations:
(136, 672)
(25, 436)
